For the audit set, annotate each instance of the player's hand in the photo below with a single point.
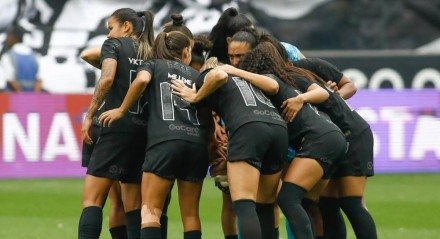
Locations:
(85, 130)
(107, 118)
(332, 85)
(291, 107)
(186, 93)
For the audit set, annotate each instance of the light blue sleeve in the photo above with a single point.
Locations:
(292, 51)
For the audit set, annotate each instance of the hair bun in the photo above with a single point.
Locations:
(177, 19)
(232, 11)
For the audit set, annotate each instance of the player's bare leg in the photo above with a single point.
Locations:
(300, 177)
(189, 199)
(94, 195)
(131, 196)
(154, 192)
(242, 178)
(116, 223)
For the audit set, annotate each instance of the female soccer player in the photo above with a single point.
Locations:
(118, 152)
(347, 186)
(257, 143)
(231, 22)
(176, 130)
(310, 134)
(117, 225)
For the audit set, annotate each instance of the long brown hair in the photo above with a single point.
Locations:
(265, 59)
(170, 45)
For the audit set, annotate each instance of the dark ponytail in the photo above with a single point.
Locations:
(227, 25)
(170, 45)
(202, 46)
(177, 25)
(142, 23)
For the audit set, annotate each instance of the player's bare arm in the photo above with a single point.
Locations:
(264, 83)
(213, 80)
(104, 84)
(92, 56)
(346, 88)
(133, 94)
(315, 95)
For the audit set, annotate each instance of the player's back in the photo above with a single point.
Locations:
(239, 102)
(171, 117)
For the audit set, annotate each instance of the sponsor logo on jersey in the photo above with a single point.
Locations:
(193, 131)
(273, 114)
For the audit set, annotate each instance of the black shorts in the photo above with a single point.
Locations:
(261, 145)
(87, 149)
(327, 150)
(358, 161)
(119, 156)
(177, 159)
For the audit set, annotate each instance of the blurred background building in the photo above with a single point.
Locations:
(60, 29)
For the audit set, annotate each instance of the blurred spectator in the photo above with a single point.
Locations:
(19, 65)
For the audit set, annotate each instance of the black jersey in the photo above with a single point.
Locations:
(348, 120)
(308, 123)
(322, 68)
(124, 51)
(238, 102)
(171, 117)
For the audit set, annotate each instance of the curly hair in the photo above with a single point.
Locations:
(265, 59)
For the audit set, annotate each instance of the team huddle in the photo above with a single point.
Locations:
(270, 125)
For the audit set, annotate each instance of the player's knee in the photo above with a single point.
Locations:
(150, 216)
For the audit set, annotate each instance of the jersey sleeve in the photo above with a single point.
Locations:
(201, 79)
(292, 51)
(322, 68)
(147, 66)
(302, 83)
(110, 49)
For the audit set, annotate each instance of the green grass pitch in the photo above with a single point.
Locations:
(404, 207)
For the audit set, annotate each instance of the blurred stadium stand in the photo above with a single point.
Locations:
(398, 31)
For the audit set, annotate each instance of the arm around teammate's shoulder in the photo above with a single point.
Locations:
(263, 82)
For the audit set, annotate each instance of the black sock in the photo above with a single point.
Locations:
(310, 206)
(231, 237)
(119, 232)
(266, 218)
(276, 233)
(164, 217)
(164, 226)
(192, 235)
(333, 221)
(248, 223)
(150, 233)
(133, 224)
(90, 223)
(289, 200)
(360, 219)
